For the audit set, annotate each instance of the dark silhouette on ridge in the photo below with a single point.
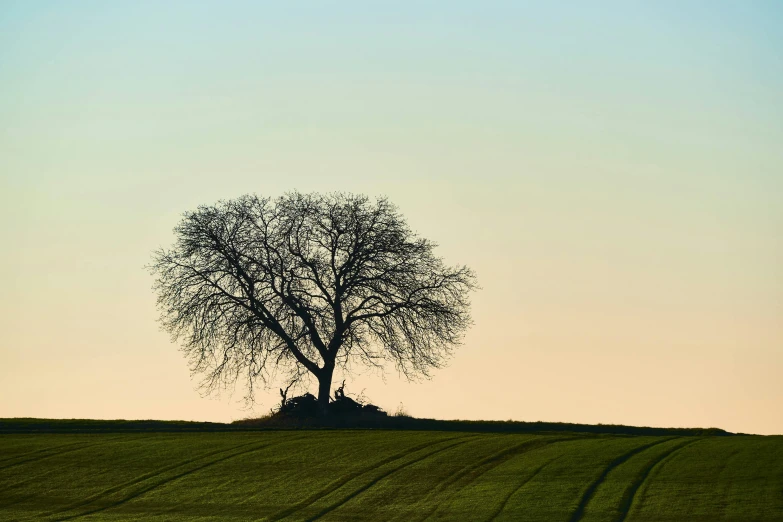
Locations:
(341, 408)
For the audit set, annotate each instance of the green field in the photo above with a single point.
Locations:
(388, 475)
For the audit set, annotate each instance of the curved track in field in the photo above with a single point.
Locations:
(156, 484)
(141, 478)
(630, 493)
(588, 494)
(521, 485)
(44, 450)
(362, 489)
(474, 471)
(49, 454)
(340, 482)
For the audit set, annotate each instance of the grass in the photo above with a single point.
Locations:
(405, 475)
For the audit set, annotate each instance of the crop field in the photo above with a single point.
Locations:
(388, 475)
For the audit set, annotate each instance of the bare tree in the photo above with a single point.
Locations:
(305, 283)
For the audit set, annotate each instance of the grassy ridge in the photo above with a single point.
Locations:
(31, 425)
(388, 475)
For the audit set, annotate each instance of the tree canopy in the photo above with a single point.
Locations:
(254, 287)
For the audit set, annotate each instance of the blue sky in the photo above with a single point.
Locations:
(612, 171)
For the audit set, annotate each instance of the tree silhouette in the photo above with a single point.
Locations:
(305, 283)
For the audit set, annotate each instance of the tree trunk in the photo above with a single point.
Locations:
(324, 389)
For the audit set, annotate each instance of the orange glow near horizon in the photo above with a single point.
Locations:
(614, 179)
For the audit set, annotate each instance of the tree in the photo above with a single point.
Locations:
(306, 283)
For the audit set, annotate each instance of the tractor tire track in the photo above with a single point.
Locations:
(22, 483)
(57, 453)
(485, 465)
(630, 493)
(503, 504)
(724, 504)
(588, 494)
(377, 479)
(340, 482)
(9, 487)
(146, 476)
(145, 489)
(17, 501)
(14, 485)
(44, 450)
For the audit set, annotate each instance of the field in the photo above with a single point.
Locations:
(388, 475)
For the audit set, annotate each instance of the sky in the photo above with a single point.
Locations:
(612, 171)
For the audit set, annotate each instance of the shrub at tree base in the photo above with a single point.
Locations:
(305, 407)
(342, 410)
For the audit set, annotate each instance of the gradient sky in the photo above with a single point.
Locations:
(613, 172)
